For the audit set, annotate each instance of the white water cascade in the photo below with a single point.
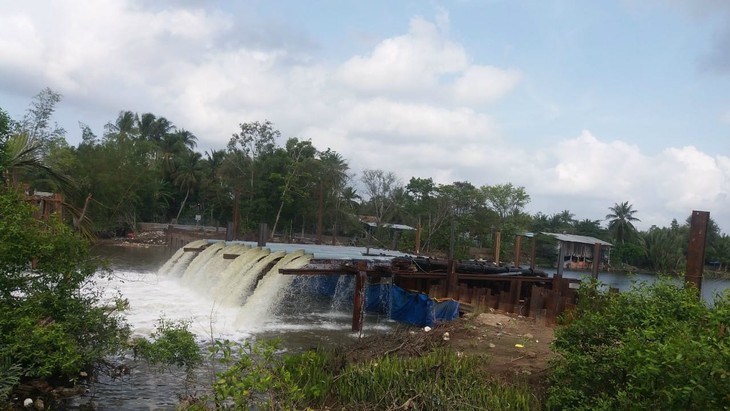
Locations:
(236, 275)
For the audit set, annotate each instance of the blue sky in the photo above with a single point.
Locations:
(586, 104)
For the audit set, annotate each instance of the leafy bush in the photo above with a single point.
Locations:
(173, 344)
(51, 321)
(258, 377)
(657, 346)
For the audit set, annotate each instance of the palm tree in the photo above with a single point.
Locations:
(621, 221)
(23, 155)
(188, 174)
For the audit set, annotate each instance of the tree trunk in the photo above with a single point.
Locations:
(177, 219)
(276, 221)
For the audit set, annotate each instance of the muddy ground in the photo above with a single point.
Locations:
(517, 348)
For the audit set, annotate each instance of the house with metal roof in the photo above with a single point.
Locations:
(577, 251)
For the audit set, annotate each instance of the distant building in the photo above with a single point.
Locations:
(579, 251)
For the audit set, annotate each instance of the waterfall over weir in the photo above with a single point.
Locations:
(236, 275)
(243, 281)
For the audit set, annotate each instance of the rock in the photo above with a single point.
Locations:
(426, 328)
(446, 336)
(491, 345)
(529, 336)
(27, 403)
(39, 405)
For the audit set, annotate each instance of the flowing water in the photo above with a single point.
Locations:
(234, 291)
(227, 291)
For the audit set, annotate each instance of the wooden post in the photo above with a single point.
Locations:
(452, 280)
(263, 233)
(518, 250)
(497, 244)
(561, 258)
(358, 306)
(532, 253)
(418, 237)
(696, 248)
(596, 259)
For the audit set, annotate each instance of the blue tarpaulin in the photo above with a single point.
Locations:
(409, 306)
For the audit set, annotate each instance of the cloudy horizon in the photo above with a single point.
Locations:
(585, 106)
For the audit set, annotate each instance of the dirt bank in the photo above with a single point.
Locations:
(516, 348)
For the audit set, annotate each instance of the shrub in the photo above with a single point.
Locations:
(657, 346)
(172, 344)
(51, 321)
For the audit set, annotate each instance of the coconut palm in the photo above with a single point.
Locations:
(24, 155)
(621, 219)
(187, 175)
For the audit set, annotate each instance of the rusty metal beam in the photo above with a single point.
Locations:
(193, 249)
(596, 259)
(696, 248)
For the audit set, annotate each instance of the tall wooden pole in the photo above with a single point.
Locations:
(518, 250)
(596, 259)
(696, 248)
(532, 253)
(497, 245)
(418, 237)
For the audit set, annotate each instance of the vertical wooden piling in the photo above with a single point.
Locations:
(418, 237)
(518, 250)
(696, 248)
(596, 259)
(561, 259)
(452, 280)
(358, 306)
(532, 252)
(497, 245)
(263, 234)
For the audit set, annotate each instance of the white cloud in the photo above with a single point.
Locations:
(414, 104)
(484, 84)
(410, 64)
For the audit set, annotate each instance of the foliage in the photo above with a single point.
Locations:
(51, 321)
(438, 380)
(172, 344)
(656, 346)
(258, 377)
(621, 221)
(10, 374)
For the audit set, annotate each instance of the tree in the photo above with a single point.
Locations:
(187, 175)
(621, 219)
(52, 322)
(36, 122)
(299, 154)
(245, 150)
(380, 186)
(506, 200)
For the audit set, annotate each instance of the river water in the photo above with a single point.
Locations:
(302, 321)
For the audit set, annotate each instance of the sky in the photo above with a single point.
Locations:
(585, 104)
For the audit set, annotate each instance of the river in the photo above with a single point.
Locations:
(299, 322)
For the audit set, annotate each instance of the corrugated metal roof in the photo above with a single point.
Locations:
(393, 226)
(572, 238)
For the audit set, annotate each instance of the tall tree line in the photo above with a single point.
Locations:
(145, 168)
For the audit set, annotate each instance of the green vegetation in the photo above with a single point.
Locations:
(144, 168)
(259, 377)
(172, 344)
(655, 347)
(52, 324)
